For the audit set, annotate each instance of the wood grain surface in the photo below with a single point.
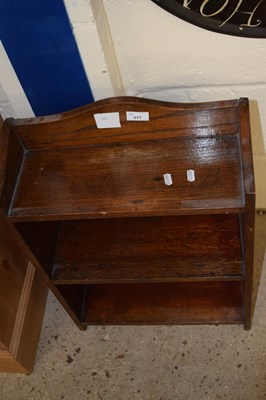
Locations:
(112, 241)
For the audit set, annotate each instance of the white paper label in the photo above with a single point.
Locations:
(168, 179)
(191, 175)
(137, 116)
(107, 120)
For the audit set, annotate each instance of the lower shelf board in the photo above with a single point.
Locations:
(131, 250)
(164, 303)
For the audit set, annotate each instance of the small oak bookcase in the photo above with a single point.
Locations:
(116, 239)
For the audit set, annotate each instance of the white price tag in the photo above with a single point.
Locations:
(107, 120)
(191, 175)
(137, 116)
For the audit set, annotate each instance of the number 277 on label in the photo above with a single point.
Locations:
(137, 116)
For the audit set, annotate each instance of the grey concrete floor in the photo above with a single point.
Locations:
(149, 362)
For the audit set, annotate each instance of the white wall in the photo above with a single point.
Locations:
(13, 101)
(91, 30)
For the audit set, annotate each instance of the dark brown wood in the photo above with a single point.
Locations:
(246, 147)
(77, 128)
(94, 181)
(74, 296)
(248, 245)
(178, 137)
(90, 209)
(248, 218)
(11, 156)
(149, 249)
(2, 346)
(168, 303)
(43, 244)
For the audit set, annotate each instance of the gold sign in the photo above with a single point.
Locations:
(234, 17)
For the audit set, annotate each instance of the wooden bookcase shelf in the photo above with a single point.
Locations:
(147, 249)
(113, 242)
(169, 303)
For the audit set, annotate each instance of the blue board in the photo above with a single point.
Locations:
(38, 39)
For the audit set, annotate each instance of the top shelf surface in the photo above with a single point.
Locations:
(119, 173)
